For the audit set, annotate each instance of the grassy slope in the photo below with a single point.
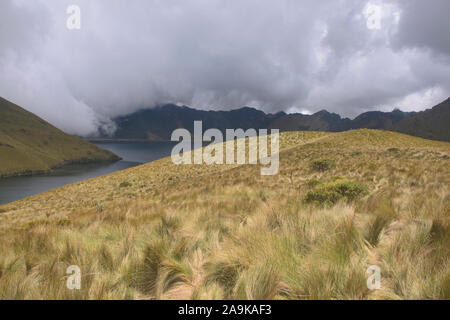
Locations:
(228, 232)
(28, 144)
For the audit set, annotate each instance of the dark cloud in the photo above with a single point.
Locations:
(424, 25)
(219, 54)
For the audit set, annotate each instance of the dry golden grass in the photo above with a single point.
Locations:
(161, 231)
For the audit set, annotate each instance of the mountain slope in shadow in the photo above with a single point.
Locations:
(430, 124)
(159, 123)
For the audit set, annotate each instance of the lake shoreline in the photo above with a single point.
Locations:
(28, 183)
(30, 173)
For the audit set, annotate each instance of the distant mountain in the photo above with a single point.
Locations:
(430, 124)
(30, 145)
(379, 120)
(159, 123)
(320, 121)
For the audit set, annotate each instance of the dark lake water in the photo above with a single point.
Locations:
(133, 154)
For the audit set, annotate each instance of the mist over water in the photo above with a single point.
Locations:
(139, 151)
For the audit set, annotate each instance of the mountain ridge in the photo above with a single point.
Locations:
(159, 122)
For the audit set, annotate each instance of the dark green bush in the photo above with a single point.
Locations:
(329, 194)
(321, 164)
(124, 184)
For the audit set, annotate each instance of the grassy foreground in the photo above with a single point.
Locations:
(29, 145)
(340, 203)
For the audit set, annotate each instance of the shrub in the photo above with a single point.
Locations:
(124, 184)
(321, 164)
(2, 210)
(313, 183)
(330, 193)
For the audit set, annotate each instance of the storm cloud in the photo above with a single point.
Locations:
(297, 56)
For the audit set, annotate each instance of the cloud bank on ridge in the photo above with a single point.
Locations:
(346, 56)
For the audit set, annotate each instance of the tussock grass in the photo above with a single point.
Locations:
(226, 232)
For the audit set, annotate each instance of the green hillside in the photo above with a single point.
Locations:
(341, 202)
(30, 145)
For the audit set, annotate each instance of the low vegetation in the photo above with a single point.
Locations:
(226, 232)
(124, 184)
(321, 164)
(329, 194)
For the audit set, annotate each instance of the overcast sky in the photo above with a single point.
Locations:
(346, 56)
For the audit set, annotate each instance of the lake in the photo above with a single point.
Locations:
(133, 154)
